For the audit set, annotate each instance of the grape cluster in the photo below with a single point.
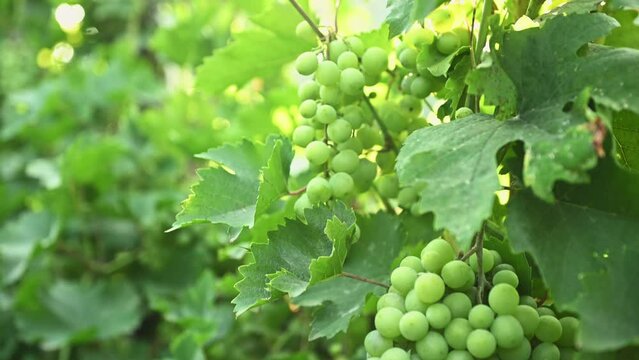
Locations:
(431, 313)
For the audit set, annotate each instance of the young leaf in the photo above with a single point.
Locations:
(404, 13)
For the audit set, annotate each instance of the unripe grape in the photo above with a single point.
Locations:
(528, 318)
(487, 263)
(507, 331)
(455, 274)
(395, 354)
(459, 355)
(503, 299)
(403, 279)
(304, 31)
(412, 302)
(306, 63)
(348, 59)
(459, 304)
(351, 144)
(544, 310)
(387, 322)
(412, 262)
(429, 287)
(345, 161)
(443, 247)
(301, 204)
(546, 351)
(392, 115)
(308, 108)
(339, 131)
(336, 48)
(354, 115)
(413, 325)
(374, 60)
(330, 95)
(386, 161)
(411, 105)
(406, 83)
(317, 152)
(326, 114)
(375, 344)
(432, 347)
(519, 352)
(387, 185)
(352, 81)
(456, 333)
(441, 18)
(364, 174)
(303, 135)
(408, 58)
(419, 37)
(341, 184)
(369, 136)
(438, 315)
(391, 300)
(549, 329)
(406, 197)
(371, 79)
(481, 316)
(318, 190)
(567, 354)
(481, 343)
(569, 329)
(506, 277)
(308, 90)
(421, 87)
(448, 43)
(327, 73)
(463, 35)
(433, 260)
(501, 267)
(496, 257)
(463, 112)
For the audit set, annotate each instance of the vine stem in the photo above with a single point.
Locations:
(387, 137)
(363, 279)
(483, 29)
(297, 192)
(308, 19)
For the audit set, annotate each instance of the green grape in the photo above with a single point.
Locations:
(308, 108)
(406, 197)
(326, 114)
(387, 185)
(569, 329)
(496, 257)
(330, 95)
(501, 267)
(386, 161)
(412, 302)
(528, 300)
(433, 261)
(455, 274)
(336, 48)
(408, 58)
(345, 161)
(456, 333)
(567, 354)
(481, 343)
(304, 31)
(339, 131)
(391, 300)
(375, 344)
(459, 304)
(348, 59)
(341, 184)
(419, 37)
(369, 137)
(506, 277)
(371, 79)
(448, 43)
(438, 315)
(549, 329)
(411, 105)
(519, 352)
(432, 347)
(507, 331)
(544, 310)
(403, 279)
(412, 262)
(421, 87)
(463, 112)
(327, 73)
(318, 190)
(406, 83)
(374, 60)
(481, 316)
(317, 152)
(392, 115)
(301, 204)
(463, 35)
(387, 322)
(470, 282)
(443, 247)
(503, 299)
(364, 174)
(351, 144)
(413, 325)
(459, 355)
(308, 90)
(306, 63)
(352, 81)
(546, 351)
(303, 135)
(354, 115)
(395, 354)
(356, 45)
(429, 287)
(528, 318)
(488, 261)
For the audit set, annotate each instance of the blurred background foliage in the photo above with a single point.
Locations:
(99, 123)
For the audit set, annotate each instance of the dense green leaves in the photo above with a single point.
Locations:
(404, 13)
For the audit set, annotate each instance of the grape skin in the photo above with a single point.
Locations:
(503, 299)
(506, 277)
(546, 351)
(341, 184)
(413, 325)
(438, 315)
(375, 344)
(507, 331)
(429, 287)
(317, 152)
(345, 161)
(318, 190)
(528, 318)
(459, 304)
(327, 73)
(387, 322)
(454, 273)
(432, 347)
(306, 63)
(391, 300)
(374, 60)
(481, 316)
(456, 333)
(549, 329)
(403, 279)
(481, 343)
(303, 135)
(339, 130)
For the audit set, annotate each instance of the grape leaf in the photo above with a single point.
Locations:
(517, 260)
(258, 52)
(455, 162)
(246, 179)
(625, 132)
(404, 13)
(339, 299)
(296, 256)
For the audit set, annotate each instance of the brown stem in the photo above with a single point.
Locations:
(308, 19)
(363, 279)
(297, 192)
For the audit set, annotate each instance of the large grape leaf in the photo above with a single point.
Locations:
(339, 299)
(258, 52)
(243, 182)
(296, 256)
(625, 133)
(455, 162)
(404, 13)
(586, 246)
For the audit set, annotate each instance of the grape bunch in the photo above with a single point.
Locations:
(431, 312)
(341, 131)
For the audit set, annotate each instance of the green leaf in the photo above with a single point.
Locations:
(404, 13)
(243, 182)
(339, 299)
(258, 52)
(517, 260)
(72, 312)
(296, 256)
(377, 38)
(431, 60)
(625, 133)
(19, 238)
(455, 162)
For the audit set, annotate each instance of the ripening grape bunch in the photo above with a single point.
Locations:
(432, 312)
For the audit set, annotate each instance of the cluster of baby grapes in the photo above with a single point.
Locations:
(431, 312)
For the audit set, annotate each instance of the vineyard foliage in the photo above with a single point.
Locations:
(200, 179)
